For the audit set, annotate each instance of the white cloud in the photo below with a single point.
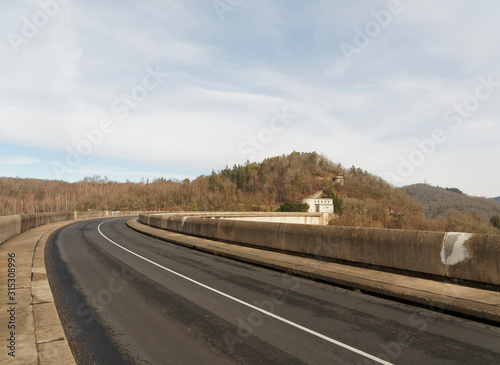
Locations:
(18, 160)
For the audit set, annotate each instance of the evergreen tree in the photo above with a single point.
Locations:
(495, 220)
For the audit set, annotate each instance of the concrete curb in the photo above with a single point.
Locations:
(49, 333)
(477, 303)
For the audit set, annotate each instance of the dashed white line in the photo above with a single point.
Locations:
(284, 320)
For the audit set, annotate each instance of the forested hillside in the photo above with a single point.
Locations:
(452, 204)
(437, 201)
(363, 199)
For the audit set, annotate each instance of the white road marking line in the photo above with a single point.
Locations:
(293, 324)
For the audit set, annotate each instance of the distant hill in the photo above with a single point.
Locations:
(497, 198)
(437, 201)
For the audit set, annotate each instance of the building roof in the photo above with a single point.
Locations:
(316, 195)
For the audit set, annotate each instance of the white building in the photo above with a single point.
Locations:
(318, 204)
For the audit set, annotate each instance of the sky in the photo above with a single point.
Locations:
(407, 90)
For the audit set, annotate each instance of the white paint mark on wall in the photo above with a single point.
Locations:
(454, 250)
(183, 221)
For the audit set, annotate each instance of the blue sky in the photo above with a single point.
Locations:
(407, 90)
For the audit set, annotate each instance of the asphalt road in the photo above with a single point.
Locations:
(126, 298)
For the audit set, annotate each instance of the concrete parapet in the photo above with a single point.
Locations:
(473, 257)
(29, 221)
(276, 217)
(13, 225)
(469, 257)
(10, 226)
(89, 214)
(102, 213)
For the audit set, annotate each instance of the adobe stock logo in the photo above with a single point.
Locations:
(363, 36)
(123, 107)
(31, 27)
(265, 136)
(223, 6)
(453, 119)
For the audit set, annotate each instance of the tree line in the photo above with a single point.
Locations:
(363, 200)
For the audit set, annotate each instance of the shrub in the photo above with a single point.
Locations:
(294, 207)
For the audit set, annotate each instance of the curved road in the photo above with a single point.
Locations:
(126, 298)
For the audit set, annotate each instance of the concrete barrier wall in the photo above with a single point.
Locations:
(29, 221)
(89, 214)
(10, 226)
(278, 217)
(317, 219)
(13, 225)
(104, 213)
(470, 257)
